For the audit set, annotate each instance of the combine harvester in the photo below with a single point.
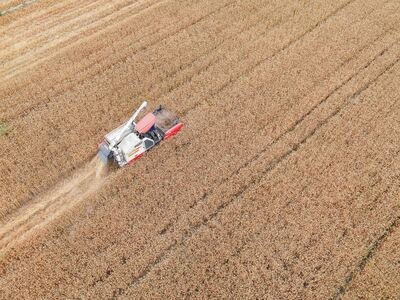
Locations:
(131, 140)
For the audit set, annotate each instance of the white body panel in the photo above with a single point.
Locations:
(131, 146)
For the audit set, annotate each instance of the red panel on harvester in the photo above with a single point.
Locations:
(146, 123)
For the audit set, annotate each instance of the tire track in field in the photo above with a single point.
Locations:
(284, 48)
(238, 195)
(252, 238)
(28, 219)
(315, 106)
(371, 251)
(335, 90)
(335, 70)
(276, 162)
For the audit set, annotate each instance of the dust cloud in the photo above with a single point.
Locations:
(53, 203)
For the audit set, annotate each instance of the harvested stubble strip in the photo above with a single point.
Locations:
(39, 33)
(126, 193)
(43, 12)
(48, 19)
(65, 57)
(10, 7)
(12, 19)
(90, 23)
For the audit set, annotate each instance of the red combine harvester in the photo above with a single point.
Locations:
(131, 140)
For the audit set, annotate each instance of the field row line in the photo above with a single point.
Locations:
(371, 250)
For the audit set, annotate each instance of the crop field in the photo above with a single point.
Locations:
(283, 184)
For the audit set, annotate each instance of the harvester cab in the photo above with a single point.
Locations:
(131, 140)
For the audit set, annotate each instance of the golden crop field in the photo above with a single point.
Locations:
(283, 184)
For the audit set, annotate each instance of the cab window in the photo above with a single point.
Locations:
(148, 143)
